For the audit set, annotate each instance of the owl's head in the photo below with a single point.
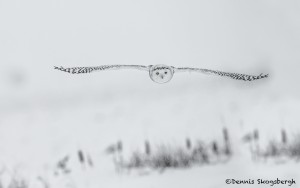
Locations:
(161, 73)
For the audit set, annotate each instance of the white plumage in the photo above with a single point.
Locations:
(161, 73)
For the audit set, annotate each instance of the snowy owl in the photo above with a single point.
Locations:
(160, 73)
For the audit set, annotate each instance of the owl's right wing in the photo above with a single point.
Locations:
(81, 70)
(236, 76)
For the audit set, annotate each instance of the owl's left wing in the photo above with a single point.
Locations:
(235, 76)
(80, 70)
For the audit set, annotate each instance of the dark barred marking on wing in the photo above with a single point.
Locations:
(160, 68)
(82, 70)
(235, 76)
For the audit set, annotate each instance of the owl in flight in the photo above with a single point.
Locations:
(160, 73)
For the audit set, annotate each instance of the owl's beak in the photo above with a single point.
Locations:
(162, 76)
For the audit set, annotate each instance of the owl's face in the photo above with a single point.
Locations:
(161, 73)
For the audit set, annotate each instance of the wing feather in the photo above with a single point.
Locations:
(82, 70)
(235, 76)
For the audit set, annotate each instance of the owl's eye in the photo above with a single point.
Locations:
(166, 72)
(157, 73)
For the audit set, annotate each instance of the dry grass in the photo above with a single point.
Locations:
(172, 156)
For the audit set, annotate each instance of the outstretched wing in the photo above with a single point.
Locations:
(80, 70)
(236, 76)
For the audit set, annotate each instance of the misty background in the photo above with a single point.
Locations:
(45, 112)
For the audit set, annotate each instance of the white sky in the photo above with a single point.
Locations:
(236, 36)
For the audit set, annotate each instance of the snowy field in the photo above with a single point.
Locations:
(46, 115)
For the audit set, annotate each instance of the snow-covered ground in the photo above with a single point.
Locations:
(47, 114)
